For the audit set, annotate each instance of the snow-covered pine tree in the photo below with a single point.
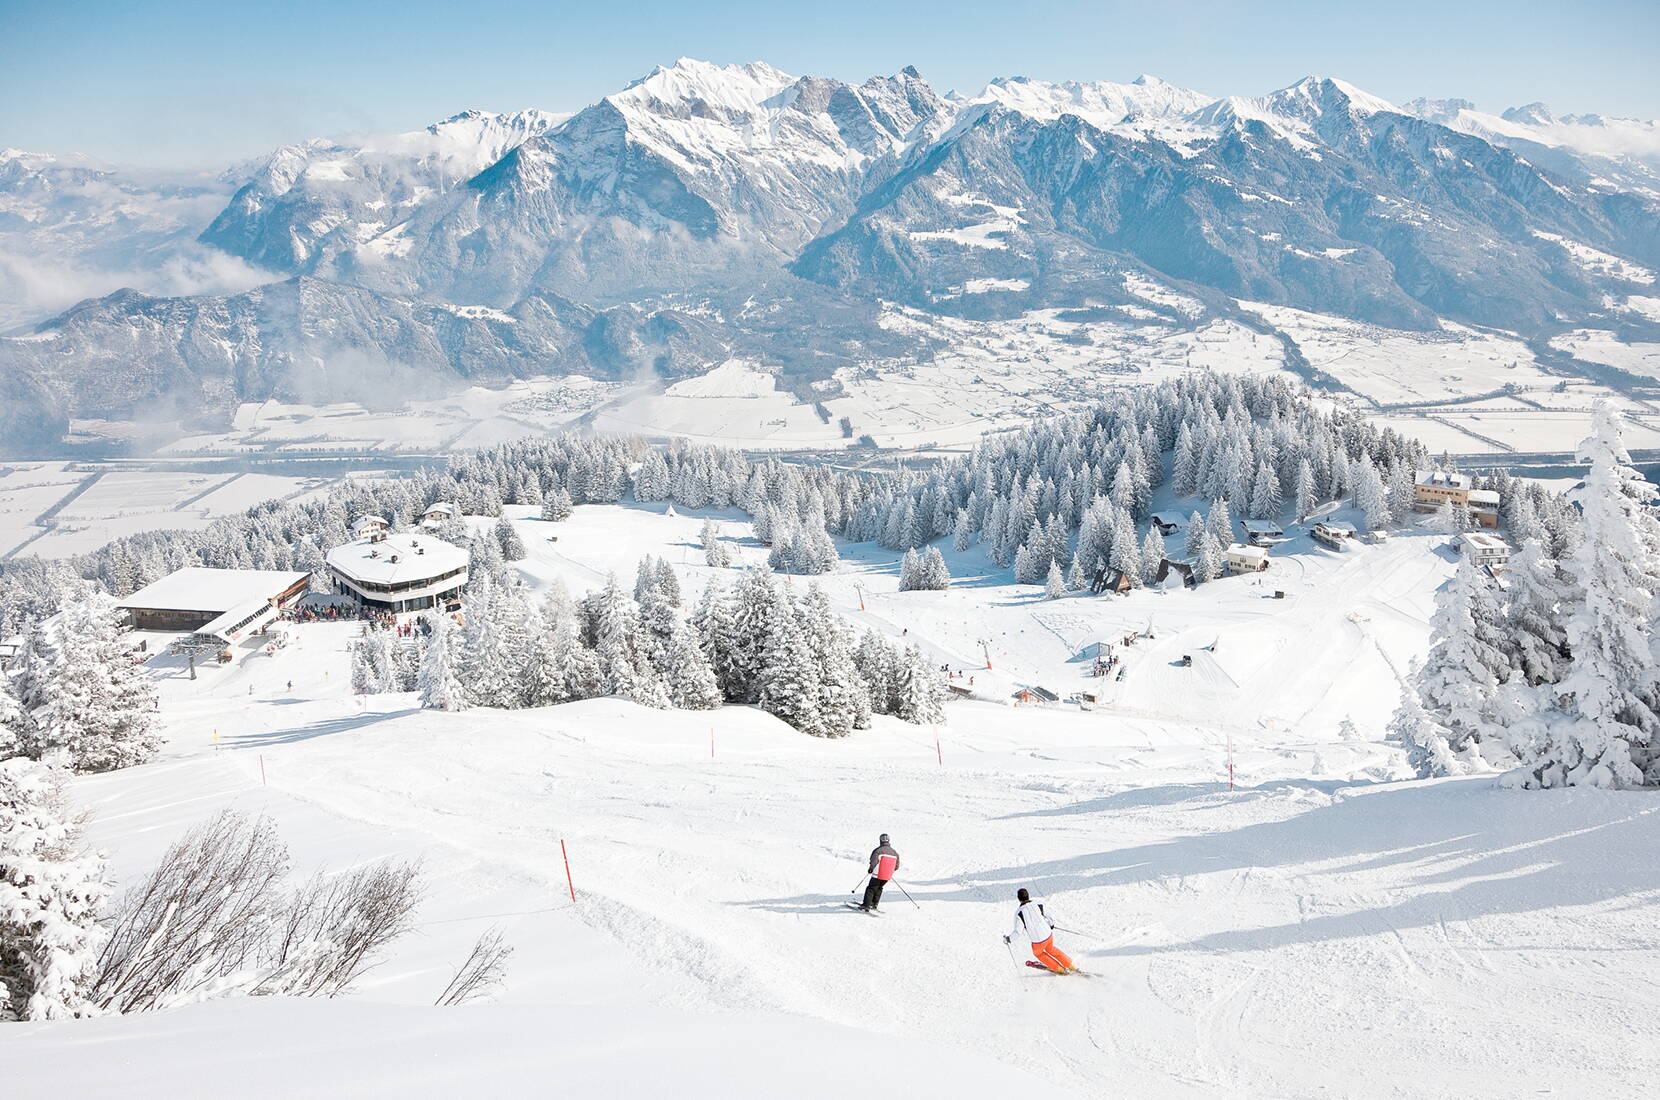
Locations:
(932, 574)
(667, 583)
(1126, 552)
(549, 672)
(14, 724)
(556, 504)
(439, 685)
(920, 691)
(507, 537)
(1186, 462)
(1193, 539)
(1402, 492)
(651, 480)
(908, 566)
(1456, 683)
(714, 621)
(364, 680)
(788, 682)
(878, 663)
(91, 702)
(406, 665)
(1539, 589)
(1209, 565)
(715, 551)
(1304, 491)
(52, 893)
(1600, 722)
(687, 675)
(1266, 500)
(618, 642)
(843, 702)
(1427, 750)
(453, 530)
(1152, 555)
(962, 531)
(1369, 495)
(1054, 584)
(1220, 522)
(758, 600)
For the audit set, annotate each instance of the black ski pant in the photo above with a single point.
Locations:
(873, 892)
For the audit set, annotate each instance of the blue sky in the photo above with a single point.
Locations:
(183, 82)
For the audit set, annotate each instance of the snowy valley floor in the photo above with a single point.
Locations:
(1324, 930)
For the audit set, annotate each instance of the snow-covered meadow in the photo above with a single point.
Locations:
(1324, 928)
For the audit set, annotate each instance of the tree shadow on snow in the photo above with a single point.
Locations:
(316, 729)
(1454, 849)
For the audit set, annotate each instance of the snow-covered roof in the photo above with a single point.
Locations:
(397, 559)
(440, 508)
(361, 522)
(1484, 496)
(1242, 550)
(1481, 541)
(216, 590)
(225, 626)
(1263, 527)
(1337, 527)
(1169, 519)
(1444, 479)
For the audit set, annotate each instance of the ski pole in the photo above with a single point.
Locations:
(1074, 932)
(856, 886)
(1010, 946)
(907, 894)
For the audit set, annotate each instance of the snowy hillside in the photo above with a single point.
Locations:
(1321, 929)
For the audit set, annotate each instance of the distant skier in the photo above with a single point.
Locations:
(884, 864)
(1032, 923)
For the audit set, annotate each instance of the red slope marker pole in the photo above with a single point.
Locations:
(262, 769)
(711, 742)
(568, 882)
(938, 755)
(1230, 761)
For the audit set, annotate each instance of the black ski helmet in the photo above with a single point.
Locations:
(1023, 895)
(884, 839)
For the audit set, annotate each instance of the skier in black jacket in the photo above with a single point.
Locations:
(884, 864)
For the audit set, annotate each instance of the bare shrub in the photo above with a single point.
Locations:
(215, 918)
(482, 972)
(201, 916)
(336, 926)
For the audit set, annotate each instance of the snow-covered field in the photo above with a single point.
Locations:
(1324, 929)
(1599, 346)
(95, 505)
(1392, 367)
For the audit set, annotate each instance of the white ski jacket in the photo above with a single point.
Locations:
(1031, 923)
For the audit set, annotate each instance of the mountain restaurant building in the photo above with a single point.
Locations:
(215, 601)
(399, 572)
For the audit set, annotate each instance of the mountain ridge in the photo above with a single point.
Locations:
(701, 193)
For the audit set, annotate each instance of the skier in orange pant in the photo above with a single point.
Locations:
(1032, 923)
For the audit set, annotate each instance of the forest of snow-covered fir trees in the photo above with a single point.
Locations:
(1554, 675)
(1058, 503)
(758, 642)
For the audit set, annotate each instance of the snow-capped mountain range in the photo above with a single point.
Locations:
(707, 210)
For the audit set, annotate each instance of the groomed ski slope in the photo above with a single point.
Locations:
(1320, 931)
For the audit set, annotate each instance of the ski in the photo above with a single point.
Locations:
(857, 908)
(1035, 965)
